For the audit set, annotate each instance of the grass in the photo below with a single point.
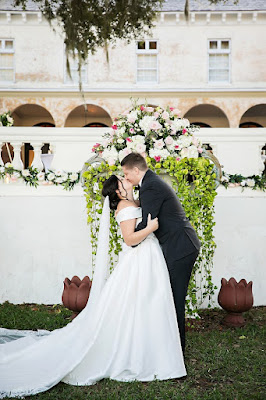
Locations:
(222, 363)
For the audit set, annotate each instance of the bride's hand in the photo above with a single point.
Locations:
(152, 224)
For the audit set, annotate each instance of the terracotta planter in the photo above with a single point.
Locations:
(76, 293)
(235, 298)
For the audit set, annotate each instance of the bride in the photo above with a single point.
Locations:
(128, 330)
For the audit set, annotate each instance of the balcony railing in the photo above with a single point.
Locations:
(238, 150)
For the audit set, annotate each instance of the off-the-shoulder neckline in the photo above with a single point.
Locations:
(126, 208)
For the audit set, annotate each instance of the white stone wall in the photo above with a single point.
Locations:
(45, 238)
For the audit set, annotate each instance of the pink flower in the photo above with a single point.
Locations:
(157, 158)
(155, 125)
(149, 109)
(200, 149)
(114, 127)
(169, 140)
(128, 139)
(131, 130)
(159, 144)
(171, 108)
(184, 131)
(177, 158)
(165, 115)
(176, 111)
(140, 148)
(176, 146)
(131, 118)
(142, 108)
(156, 114)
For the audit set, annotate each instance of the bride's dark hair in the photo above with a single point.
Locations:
(109, 189)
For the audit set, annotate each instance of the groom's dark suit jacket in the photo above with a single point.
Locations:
(175, 233)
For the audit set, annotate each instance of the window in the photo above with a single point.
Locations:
(219, 60)
(7, 60)
(74, 79)
(147, 61)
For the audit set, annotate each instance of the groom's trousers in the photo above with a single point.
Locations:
(180, 272)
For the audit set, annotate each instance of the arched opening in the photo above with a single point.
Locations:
(88, 114)
(207, 114)
(95, 125)
(28, 115)
(254, 117)
(32, 115)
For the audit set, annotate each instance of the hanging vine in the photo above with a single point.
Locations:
(193, 180)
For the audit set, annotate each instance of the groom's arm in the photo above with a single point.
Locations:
(151, 201)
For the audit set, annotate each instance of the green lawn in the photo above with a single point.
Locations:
(222, 363)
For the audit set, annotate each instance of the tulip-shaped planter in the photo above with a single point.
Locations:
(235, 298)
(76, 293)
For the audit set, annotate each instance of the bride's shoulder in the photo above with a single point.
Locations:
(123, 205)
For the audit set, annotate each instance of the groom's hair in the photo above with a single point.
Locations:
(134, 160)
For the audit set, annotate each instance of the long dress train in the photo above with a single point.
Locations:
(128, 330)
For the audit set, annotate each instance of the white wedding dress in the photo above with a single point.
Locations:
(128, 330)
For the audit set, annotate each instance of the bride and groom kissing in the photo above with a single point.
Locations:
(133, 327)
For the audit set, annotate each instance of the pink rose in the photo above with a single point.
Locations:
(184, 131)
(149, 109)
(155, 125)
(128, 139)
(176, 146)
(176, 111)
(156, 114)
(114, 127)
(131, 119)
(131, 130)
(200, 149)
(140, 148)
(157, 158)
(142, 108)
(171, 108)
(177, 158)
(168, 140)
(159, 144)
(165, 115)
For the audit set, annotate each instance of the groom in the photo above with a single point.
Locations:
(178, 240)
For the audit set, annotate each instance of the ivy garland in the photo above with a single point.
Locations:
(194, 182)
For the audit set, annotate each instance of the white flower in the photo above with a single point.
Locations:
(184, 152)
(193, 152)
(64, 176)
(169, 140)
(110, 155)
(16, 174)
(159, 144)
(184, 141)
(132, 116)
(138, 139)
(73, 177)
(185, 122)
(8, 165)
(123, 153)
(146, 122)
(163, 153)
(25, 172)
(10, 119)
(2, 169)
(51, 176)
(96, 187)
(165, 115)
(243, 183)
(140, 148)
(59, 179)
(41, 176)
(250, 182)
(120, 140)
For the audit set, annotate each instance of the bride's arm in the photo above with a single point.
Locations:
(133, 238)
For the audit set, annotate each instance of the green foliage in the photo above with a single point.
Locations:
(194, 182)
